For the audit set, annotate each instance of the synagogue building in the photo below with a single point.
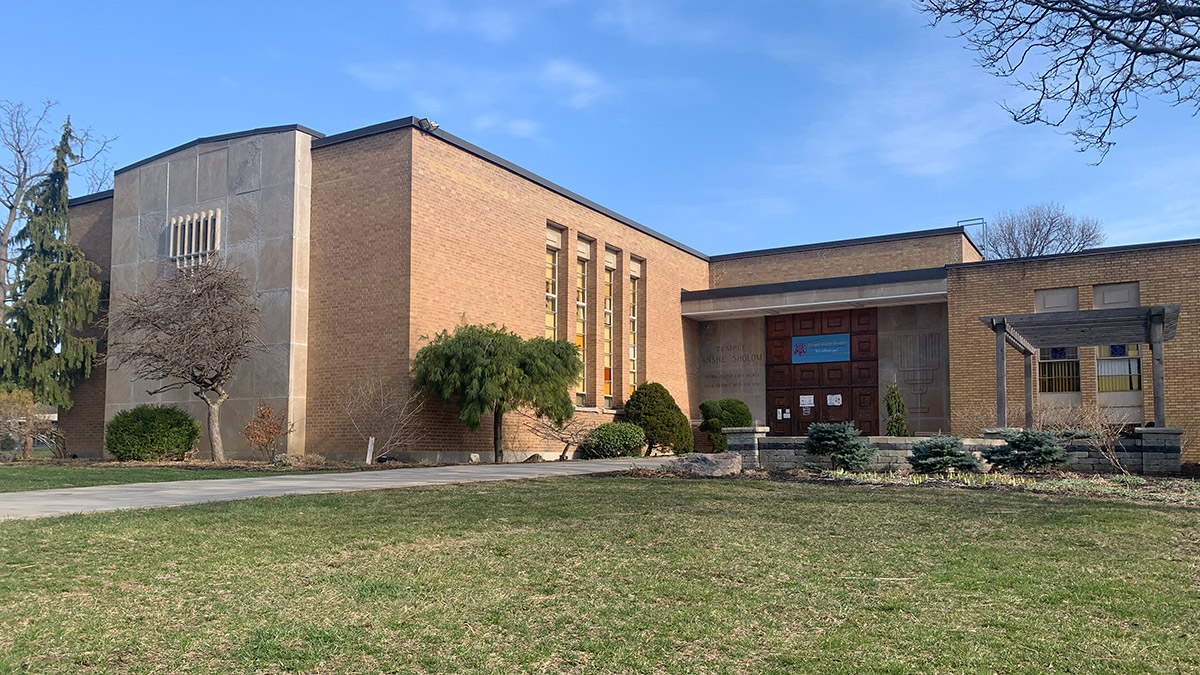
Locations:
(363, 243)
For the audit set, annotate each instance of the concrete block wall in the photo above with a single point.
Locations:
(261, 184)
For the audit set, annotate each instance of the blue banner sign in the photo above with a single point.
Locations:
(821, 348)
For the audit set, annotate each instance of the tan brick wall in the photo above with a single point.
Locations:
(358, 279)
(840, 261)
(83, 425)
(1165, 276)
(478, 232)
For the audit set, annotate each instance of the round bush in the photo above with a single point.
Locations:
(652, 408)
(614, 439)
(727, 412)
(942, 454)
(841, 442)
(150, 433)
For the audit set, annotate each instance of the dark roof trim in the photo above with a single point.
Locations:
(926, 274)
(1091, 251)
(86, 199)
(899, 236)
(222, 137)
(406, 122)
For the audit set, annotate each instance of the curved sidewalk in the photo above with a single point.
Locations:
(58, 502)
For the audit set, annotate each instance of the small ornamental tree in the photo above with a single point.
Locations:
(485, 369)
(190, 331)
(266, 432)
(841, 443)
(942, 454)
(727, 412)
(897, 412)
(652, 408)
(1026, 450)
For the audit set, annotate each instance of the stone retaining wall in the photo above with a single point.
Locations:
(1155, 451)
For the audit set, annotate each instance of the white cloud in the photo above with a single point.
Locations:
(581, 86)
(488, 22)
(655, 23)
(384, 76)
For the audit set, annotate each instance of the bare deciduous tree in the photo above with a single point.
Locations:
(189, 330)
(571, 433)
(1041, 229)
(27, 142)
(1089, 59)
(379, 409)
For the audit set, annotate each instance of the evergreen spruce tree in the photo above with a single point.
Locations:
(897, 412)
(942, 454)
(55, 297)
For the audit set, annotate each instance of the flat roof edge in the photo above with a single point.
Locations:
(221, 137)
(87, 199)
(875, 239)
(1125, 248)
(471, 148)
(873, 279)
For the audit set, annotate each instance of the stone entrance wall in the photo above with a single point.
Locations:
(1154, 452)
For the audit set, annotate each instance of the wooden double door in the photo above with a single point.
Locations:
(799, 394)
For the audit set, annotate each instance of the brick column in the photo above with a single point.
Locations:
(744, 441)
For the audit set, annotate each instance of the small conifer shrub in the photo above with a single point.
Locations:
(942, 454)
(727, 412)
(841, 443)
(897, 412)
(1026, 450)
(652, 408)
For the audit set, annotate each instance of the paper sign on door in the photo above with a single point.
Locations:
(805, 401)
(833, 399)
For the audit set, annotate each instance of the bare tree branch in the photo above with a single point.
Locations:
(1040, 229)
(379, 409)
(1093, 61)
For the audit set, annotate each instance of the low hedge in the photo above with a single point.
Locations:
(614, 439)
(150, 433)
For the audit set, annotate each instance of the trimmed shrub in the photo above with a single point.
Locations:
(614, 439)
(727, 412)
(942, 454)
(841, 442)
(652, 408)
(897, 412)
(150, 433)
(9, 443)
(1026, 450)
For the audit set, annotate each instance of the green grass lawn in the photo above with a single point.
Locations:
(609, 575)
(20, 477)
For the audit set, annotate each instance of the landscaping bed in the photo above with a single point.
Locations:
(1158, 489)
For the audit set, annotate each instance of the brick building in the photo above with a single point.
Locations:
(361, 243)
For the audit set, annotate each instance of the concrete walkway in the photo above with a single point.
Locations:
(42, 503)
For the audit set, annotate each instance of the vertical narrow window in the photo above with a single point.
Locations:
(633, 333)
(1058, 370)
(609, 276)
(551, 294)
(1119, 368)
(581, 311)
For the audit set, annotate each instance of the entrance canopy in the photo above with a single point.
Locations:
(1088, 328)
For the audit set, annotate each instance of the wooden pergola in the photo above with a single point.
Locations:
(1027, 333)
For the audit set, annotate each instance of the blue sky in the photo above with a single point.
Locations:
(728, 126)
